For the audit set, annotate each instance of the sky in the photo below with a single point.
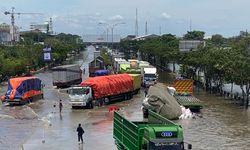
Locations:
(225, 17)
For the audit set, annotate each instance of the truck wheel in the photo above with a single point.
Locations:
(30, 100)
(106, 101)
(130, 95)
(125, 96)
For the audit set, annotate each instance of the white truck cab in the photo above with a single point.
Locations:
(80, 96)
(149, 75)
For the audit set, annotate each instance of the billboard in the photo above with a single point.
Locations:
(47, 54)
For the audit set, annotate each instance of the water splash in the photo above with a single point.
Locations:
(23, 113)
(47, 119)
(6, 117)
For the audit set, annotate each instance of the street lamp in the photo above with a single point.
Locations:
(101, 23)
(112, 30)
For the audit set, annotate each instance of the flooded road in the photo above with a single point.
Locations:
(220, 125)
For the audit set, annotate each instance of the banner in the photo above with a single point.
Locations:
(47, 56)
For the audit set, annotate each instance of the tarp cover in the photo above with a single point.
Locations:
(101, 72)
(23, 87)
(163, 102)
(109, 85)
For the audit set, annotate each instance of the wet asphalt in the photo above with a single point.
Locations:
(221, 124)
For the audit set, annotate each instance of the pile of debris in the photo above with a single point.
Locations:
(160, 99)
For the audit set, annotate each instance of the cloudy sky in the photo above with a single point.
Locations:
(226, 17)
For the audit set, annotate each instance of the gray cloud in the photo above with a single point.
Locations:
(116, 18)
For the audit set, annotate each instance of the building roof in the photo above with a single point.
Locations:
(101, 38)
(143, 37)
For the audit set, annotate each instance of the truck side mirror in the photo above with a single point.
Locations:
(189, 146)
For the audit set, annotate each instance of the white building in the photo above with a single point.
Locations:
(6, 32)
(190, 45)
(104, 38)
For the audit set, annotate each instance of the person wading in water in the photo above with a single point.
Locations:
(80, 133)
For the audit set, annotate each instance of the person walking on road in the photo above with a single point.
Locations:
(80, 133)
(54, 108)
(60, 105)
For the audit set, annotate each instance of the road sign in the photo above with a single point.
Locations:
(47, 56)
(47, 49)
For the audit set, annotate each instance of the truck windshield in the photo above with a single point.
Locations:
(78, 91)
(150, 76)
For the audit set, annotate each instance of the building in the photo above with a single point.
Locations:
(101, 39)
(144, 37)
(6, 32)
(45, 27)
(129, 37)
(190, 45)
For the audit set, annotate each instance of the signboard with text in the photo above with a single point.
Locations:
(47, 54)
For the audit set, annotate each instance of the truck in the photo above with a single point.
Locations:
(66, 75)
(22, 90)
(104, 90)
(184, 94)
(149, 75)
(157, 133)
(131, 71)
(143, 64)
(118, 62)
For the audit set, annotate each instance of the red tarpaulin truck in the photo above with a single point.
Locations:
(104, 89)
(23, 89)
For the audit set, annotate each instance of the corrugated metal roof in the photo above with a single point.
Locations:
(101, 38)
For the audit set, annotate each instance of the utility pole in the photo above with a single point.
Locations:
(190, 25)
(146, 28)
(112, 30)
(136, 23)
(160, 30)
(107, 40)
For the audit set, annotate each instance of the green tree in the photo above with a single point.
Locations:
(194, 35)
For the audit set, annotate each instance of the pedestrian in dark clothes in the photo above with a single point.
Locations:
(54, 108)
(80, 133)
(60, 106)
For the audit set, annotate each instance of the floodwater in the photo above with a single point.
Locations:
(220, 125)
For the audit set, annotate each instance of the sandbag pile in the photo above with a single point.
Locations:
(162, 102)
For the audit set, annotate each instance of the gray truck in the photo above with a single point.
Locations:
(66, 75)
